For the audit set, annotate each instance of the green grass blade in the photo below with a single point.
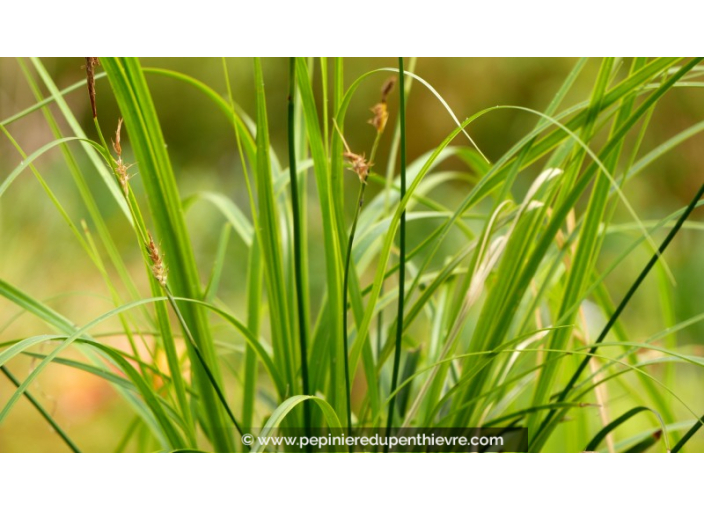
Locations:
(286, 407)
(331, 240)
(297, 246)
(402, 251)
(594, 443)
(271, 244)
(133, 97)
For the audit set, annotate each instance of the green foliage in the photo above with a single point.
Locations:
(494, 300)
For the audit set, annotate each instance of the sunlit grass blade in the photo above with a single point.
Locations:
(287, 407)
(271, 245)
(128, 84)
(331, 242)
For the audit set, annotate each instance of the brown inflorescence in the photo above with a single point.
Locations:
(159, 269)
(381, 115)
(121, 168)
(380, 111)
(91, 63)
(359, 164)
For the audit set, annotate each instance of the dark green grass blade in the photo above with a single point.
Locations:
(402, 255)
(594, 443)
(297, 248)
(57, 428)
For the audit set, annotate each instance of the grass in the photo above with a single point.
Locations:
(402, 257)
(494, 301)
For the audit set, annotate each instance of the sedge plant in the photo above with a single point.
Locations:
(459, 292)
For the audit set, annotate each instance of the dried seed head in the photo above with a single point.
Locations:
(387, 88)
(91, 63)
(358, 164)
(116, 143)
(121, 169)
(381, 115)
(123, 176)
(159, 270)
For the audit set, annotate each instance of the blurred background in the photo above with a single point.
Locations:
(40, 255)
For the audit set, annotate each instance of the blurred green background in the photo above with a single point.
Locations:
(40, 255)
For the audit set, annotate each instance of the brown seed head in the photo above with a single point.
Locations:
(116, 143)
(381, 115)
(121, 169)
(123, 176)
(387, 88)
(159, 270)
(358, 164)
(91, 63)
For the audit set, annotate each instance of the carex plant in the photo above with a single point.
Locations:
(486, 319)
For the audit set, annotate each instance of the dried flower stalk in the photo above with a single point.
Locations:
(360, 166)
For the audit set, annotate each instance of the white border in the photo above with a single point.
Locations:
(492, 481)
(359, 28)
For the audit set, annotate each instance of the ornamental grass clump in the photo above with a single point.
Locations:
(419, 286)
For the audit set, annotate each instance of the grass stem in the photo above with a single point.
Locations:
(402, 254)
(42, 411)
(297, 257)
(362, 167)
